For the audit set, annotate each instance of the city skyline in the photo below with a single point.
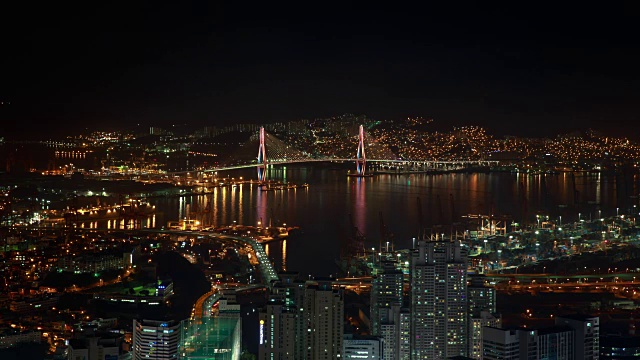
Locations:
(315, 181)
(515, 71)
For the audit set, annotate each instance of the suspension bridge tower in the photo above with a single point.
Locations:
(361, 158)
(262, 158)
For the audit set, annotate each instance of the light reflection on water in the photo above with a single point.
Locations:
(322, 211)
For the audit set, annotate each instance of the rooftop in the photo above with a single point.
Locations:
(579, 317)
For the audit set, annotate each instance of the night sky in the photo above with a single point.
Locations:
(528, 71)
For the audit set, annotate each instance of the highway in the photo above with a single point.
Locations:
(267, 271)
(432, 163)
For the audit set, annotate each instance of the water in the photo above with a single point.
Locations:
(323, 210)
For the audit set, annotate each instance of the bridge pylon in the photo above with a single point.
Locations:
(361, 158)
(262, 158)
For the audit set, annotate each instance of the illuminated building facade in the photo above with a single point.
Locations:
(155, 339)
(439, 300)
(386, 290)
(395, 330)
(587, 334)
(216, 338)
(556, 342)
(277, 336)
(482, 312)
(323, 315)
(363, 348)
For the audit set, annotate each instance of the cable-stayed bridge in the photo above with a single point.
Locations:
(272, 151)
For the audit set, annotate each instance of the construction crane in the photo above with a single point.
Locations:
(357, 238)
(351, 245)
(576, 193)
(438, 228)
(523, 197)
(420, 220)
(385, 235)
(440, 214)
(456, 223)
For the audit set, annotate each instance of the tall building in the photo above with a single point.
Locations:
(290, 291)
(302, 320)
(362, 348)
(277, 337)
(217, 337)
(395, 330)
(619, 346)
(481, 297)
(556, 343)
(94, 347)
(476, 324)
(438, 300)
(323, 315)
(482, 312)
(587, 334)
(550, 343)
(500, 344)
(155, 339)
(386, 290)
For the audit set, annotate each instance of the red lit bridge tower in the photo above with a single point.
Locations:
(361, 158)
(262, 158)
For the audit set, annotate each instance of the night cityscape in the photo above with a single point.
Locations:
(262, 181)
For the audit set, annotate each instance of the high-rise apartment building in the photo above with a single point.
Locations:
(386, 290)
(323, 315)
(556, 342)
(277, 337)
(500, 344)
(155, 339)
(481, 296)
(302, 320)
(395, 330)
(482, 312)
(290, 291)
(438, 300)
(574, 337)
(587, 334)
(476, 324)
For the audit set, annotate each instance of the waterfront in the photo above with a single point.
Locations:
(322, 211)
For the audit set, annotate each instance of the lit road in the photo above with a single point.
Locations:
(265, 266)
(583, 286)
(202, 307)
(435, 164)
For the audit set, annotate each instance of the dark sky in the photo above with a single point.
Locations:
(532, 70)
